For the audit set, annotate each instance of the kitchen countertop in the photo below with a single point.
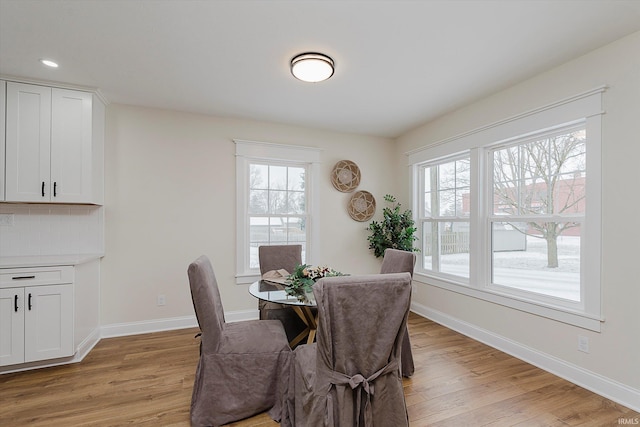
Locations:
(46, 260)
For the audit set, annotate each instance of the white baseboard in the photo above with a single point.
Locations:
(169, 324)
(592, 381)
(147, 326)
(37, 365)
(81, 351)
(87, 345)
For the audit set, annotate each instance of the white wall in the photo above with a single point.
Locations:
(170, 197)
(614, 352)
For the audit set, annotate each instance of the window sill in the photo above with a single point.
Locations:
(560, 314)
(247, 278)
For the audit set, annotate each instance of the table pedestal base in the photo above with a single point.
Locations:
(311, 322)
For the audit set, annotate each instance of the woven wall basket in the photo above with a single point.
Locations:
(362, 206)
(345, 176)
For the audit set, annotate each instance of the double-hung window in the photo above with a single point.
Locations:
(537, 210)
(276, 209)
(511, 212)
(275, 201)
(444, 214)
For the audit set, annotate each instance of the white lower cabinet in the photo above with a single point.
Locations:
(11, 326)
(36, 314)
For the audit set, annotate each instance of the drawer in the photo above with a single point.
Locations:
(34, 276)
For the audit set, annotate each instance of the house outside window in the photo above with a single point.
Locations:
(511, 212)
(277, 206)
(537, 211)
(276, 201)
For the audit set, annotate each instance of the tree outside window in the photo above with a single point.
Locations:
(539, 195)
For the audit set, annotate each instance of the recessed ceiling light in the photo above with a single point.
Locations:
(49, 63)
(312, 67)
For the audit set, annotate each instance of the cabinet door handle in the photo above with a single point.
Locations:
(42, 188)
(15, 303)
(30, 305)
(55, 185)
(22, 277)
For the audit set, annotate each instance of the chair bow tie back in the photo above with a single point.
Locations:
(358, 384)
(351, 375)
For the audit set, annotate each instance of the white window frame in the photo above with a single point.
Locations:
(569, 217)
(585, 107)
(421, 220)
(248, 152)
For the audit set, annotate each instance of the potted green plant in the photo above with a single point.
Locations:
(396, 230)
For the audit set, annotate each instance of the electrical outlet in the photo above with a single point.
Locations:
(6, 219)
(162, 300)
(583, 344)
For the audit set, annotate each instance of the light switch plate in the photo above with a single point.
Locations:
(6, 219)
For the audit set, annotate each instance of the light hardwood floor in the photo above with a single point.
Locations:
(146, 380)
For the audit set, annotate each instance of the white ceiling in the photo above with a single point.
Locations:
(398, 63)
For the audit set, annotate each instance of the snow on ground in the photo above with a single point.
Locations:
(527, 270)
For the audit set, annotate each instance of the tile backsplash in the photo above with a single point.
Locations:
(48, 229)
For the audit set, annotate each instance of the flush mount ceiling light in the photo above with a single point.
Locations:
(312, 67)
(49, 63)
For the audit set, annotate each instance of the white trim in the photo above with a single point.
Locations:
(81, 352)
(147, 326)
(242, 228)
(606, 387)
(583, 105)
(560, 314)
(87, 345)
(38, 365)
(272, 151)
(168, 324)
(51, 83)
(246, 279)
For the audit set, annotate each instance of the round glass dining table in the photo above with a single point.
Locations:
(274, 292)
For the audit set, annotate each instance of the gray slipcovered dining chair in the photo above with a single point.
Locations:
(397, 261)
(273, 258)
(351, 375)
(243, 367)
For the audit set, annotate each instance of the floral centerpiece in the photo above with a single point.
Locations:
(299, 283)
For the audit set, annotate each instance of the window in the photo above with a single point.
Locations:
(511, 212)
(444, 216)
(275, 201)
(537, 212)
(277, 206)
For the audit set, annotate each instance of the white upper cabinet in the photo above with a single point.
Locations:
(71, 146)
(28, 143)
(3, 96)
(53, 152)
